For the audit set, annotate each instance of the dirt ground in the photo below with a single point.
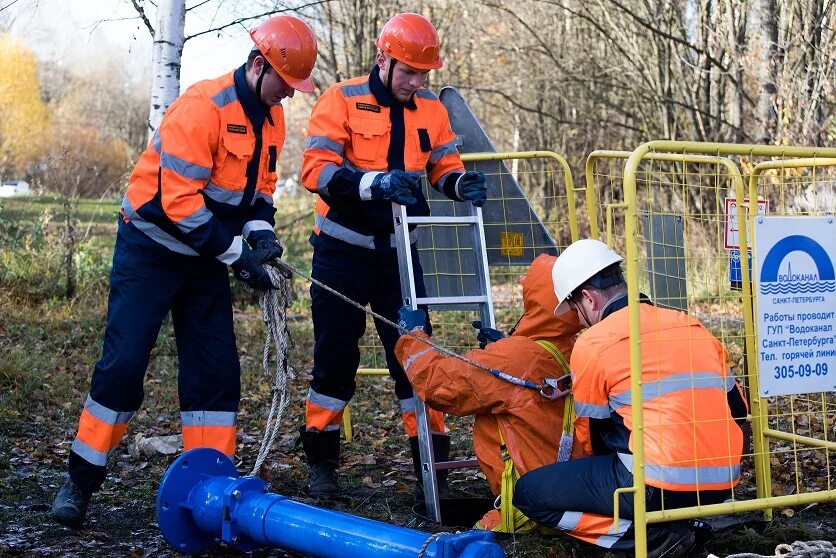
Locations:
(376, 474)
(47, 350)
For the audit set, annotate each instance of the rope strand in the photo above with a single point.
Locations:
(447, 352)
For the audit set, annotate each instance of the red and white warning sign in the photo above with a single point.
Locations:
(731, 239)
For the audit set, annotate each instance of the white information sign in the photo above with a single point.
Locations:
(731, 238)
(796, 304)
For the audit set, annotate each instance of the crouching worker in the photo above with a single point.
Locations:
(691, 405)
(516, 429)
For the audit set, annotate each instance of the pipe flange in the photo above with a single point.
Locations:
(174, 518)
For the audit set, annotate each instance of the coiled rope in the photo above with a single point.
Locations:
(798, 549)
(274, 303)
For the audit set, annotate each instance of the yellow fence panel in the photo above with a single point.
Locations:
(683, 187)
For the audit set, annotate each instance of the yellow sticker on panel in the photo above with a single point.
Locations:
(512, 244)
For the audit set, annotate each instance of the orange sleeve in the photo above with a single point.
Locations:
(327, 140)
(449, 161)
(589, 386)
(185, 147)
(188, 136)
(451, 385)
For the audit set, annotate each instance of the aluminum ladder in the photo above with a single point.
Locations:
(482, 300)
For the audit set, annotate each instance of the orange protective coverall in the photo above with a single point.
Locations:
(531, 425)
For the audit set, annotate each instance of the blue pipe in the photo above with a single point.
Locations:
(202, 501)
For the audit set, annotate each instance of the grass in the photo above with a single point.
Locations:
(48, 346)
(29, 208)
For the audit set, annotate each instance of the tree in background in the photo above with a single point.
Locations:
(102, 98)
(23, 115)
(80, 163)
(169, 38)
(168, 49)
(346, 30)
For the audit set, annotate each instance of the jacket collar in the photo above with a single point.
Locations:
(620, 302)
(256, 111)
(382, 95)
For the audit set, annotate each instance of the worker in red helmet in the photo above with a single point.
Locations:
(370, 140)
(199, 199)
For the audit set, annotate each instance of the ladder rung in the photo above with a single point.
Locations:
(458, 464)
(439, 300)
(464, 220)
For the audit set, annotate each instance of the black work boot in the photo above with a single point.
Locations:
(322, 450)
(441, 452)
(669, 540)
(70, 505)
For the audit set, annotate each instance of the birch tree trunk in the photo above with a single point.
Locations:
(765, 36)
(168, 48)
(735, 32)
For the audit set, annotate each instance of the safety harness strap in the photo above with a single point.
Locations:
(512, 519)
(564, 450)
(556, 354)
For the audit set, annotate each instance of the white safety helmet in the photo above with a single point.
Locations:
(581, 261)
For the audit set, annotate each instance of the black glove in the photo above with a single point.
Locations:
(249, 267)
(411, 320)
(266, 240)
(486, 335)
(471, 187)
(397, 186)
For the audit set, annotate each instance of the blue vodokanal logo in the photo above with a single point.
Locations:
(775, 280)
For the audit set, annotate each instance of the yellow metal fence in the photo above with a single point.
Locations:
(667, 207)
(637, 199)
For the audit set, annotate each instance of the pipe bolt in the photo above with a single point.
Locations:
(236, 493)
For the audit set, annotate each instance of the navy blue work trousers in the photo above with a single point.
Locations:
(146, 282)
(369, 277)
(588, 485)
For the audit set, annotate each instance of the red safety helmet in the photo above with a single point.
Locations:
(411, 39)
(289, 45)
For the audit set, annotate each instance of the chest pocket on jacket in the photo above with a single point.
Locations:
(369, 139)
(418, 148)
(272, 154)
(424, 140)
(234, 155)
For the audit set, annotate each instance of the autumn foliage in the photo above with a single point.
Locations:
(23, 115)
(70, 134)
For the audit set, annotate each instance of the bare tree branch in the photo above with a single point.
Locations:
(556, 119)
(141, 11)
(241, 20)
(9, 5)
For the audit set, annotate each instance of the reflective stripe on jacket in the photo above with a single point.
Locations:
(356, 128)
(197, 189)
(691, 440)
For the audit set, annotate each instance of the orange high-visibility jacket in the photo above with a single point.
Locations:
(691, 441)
(531, 425)
(194, 189)
(356, 131)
